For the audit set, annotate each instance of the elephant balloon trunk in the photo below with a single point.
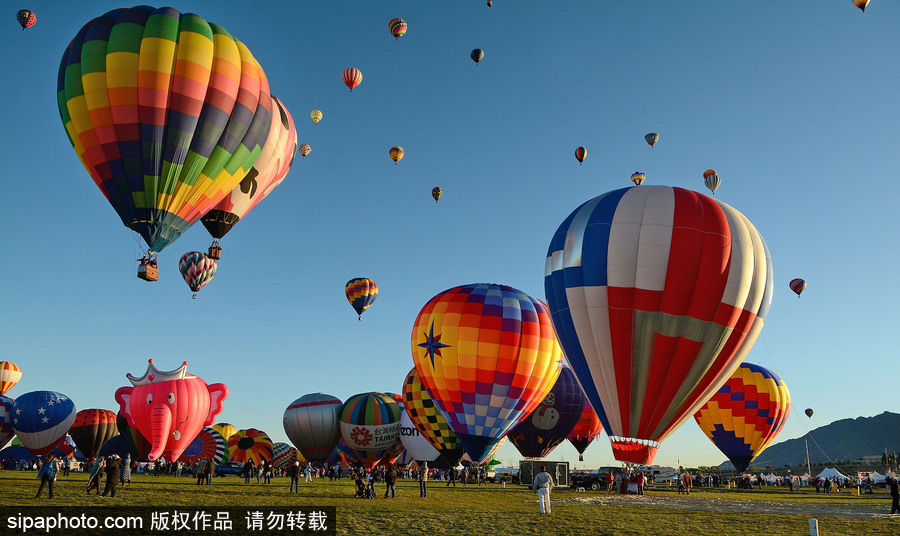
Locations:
(160, 426)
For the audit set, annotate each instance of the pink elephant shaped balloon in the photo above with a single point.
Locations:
(170, 408)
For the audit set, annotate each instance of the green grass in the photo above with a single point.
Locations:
(476, 509)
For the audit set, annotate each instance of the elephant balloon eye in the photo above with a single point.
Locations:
(171, 398)
(149, 399)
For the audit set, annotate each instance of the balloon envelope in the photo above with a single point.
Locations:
(746, 414)
(10, 374)
(487, 355)
(809, 412)
(396, 154)
(436, 193)
(27, 18)
(798, 286)
(6, 429)
(638, 178)
(352, 77)
(397, 27)
(165, 111)
(316, 116)
(92, 428)
(304, 150)
(225, 430)
(580, 153)
(550, 423)
(586, 430)
(197, 269)
(477, 55)
(250, 444)
(361, 293)
(41, 419)
(429, 421)
(370, 425)
(312, 423)
(415, 443)
(657, 294)
(652, 138)
(208, 444)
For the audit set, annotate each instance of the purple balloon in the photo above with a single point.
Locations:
(550, 423)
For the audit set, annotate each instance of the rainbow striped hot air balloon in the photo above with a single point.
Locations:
(361, 293)
(798, 286)
(397, 27)
(657, 295)
(638, 178)
(487, 356)
(370, 426)
(10, 374)
(746, 414)
(250, 444)
(166, 111)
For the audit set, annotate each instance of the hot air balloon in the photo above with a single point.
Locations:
(798, 286)
(809, 412)
(304, 150)
(361, 293)
(273, 164)
(652, 138)
(208, 444)
(429, 421)
(312, 423)
(490, 3)
(396, 154)
(586, 430)
(487, 356)
(226, 430)
(746, 414)
(397, 27)
(316, 116)
(436, 193)
(657, 294)
(549, 424)
(250, 444)
(135, 442)
(27, 18)
(638, 178)
(167, 113)
(6, 429)
(197, 269)
(10, 374)
(416, 445)
(711, 179)
(370, 425)
(41, 419)
(477, 55)
(861, 4)
(92, 428)
(282, 453)
(580, 153)
(352, 78)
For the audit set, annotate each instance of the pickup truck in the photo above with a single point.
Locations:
(594, 480)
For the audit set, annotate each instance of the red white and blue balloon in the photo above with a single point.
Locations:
(6, 429)
(41, 419)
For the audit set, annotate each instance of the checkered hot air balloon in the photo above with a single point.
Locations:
(167, 112)
(361, 293)
(657, 294)
(41, 419)
(487, 356)
(428, 420)
(746, 414)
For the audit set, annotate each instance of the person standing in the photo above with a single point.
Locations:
(423, 479)
(451, 474)
(125, 472)
(294, 473)
(113, 466)
(895, 495)
(542, 483)
(267, 472)
(307, 473)
(96, 474)
(67, 464)
(610, 481)
(641, 480)
(390, 480)
(201, 470)
(208, 470)
(47, 474)
(248, 471)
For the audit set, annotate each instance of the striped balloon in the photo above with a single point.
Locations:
(487, 356)
(657, 295)
(352, 77)
(312, 423)
(197, 269)
(282, 453)
(428, 420)
(167, 113)
(798, 286)
(10, 374)
(208, 444)
(711, 179)
(397, 27)
(580, 153)
(370, 425)
(6, 429)
(638, 178)
(396, 154)
(361, 293)
(746, 414)
(249, 444)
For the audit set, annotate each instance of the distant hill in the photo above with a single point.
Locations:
(847, 439)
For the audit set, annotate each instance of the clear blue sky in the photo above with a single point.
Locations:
(794, 103)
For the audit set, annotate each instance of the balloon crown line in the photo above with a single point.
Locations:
(154, 375)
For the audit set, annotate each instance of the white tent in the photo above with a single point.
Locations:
(876, 478)
(830, 472)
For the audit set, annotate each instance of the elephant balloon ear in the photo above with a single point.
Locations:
(218, 392)
(123, 397)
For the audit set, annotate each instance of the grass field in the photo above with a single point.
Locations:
(487, 509)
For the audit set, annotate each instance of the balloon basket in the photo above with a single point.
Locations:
(215, 253)
(148, 272)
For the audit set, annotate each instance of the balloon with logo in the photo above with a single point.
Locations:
(41, 419)
(208, 444)
(549, 424)
(428, 420)
(488, 356)
(586, 430)
(250, 444)
(415, 443)
(170, 408)
(10, 374)
(6, 429)
(746, 414)
(361, 293)
(166, 111)
(92, 428)
(657, 295)
(312, 423)
(370, 425)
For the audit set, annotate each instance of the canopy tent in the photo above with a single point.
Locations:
(876, 477)
(831, 472)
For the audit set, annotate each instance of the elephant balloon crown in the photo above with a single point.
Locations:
(154, 375)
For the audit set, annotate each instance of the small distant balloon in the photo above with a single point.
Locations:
(352, 77)
(316, 116)
(477, 55)
(304, 149)
(396, 154)
(197, 269)
(10, 374)
(652, 138)
(798, 286)
(638, 178)
(27, 18)
(397, 27)
(711, 179)
(436, 193)
(861, 4)
(580, 153)
(490, 3)
(361, 293)
(809, 412)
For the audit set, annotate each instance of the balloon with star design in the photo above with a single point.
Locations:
(42, 419)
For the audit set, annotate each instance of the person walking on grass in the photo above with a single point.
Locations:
(390, 480)
(542, 483)
(610, 481)
(208, 470)
(294, 473)
(97, 471)
(451, 477)
(47, 474)
(423, 479)
(895, 495)
(113, 466)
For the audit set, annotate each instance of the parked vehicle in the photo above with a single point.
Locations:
(229, 468)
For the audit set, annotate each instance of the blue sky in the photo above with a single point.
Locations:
(794, 103)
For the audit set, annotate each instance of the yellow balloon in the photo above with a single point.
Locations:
(316, 115)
